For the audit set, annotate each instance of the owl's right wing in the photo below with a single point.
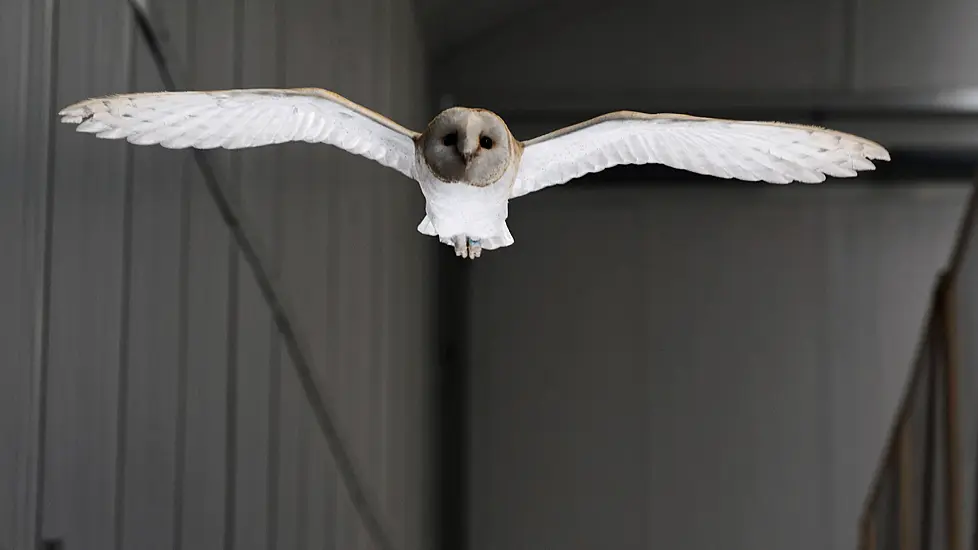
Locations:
(746, 150)
(235, 119)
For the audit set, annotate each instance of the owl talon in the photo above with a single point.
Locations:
(475, 248)
(461, 246)
(467, 248)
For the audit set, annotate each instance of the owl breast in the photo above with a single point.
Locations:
(460, 209)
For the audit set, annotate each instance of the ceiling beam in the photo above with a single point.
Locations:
(568, 105)
(531, 19)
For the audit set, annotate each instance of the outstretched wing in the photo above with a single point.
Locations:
(235, 119)
(754, 151)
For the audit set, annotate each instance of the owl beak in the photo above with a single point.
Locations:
(467, 151)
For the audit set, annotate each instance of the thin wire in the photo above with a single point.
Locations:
(273, 297)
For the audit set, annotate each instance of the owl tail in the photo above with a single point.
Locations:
(490, 243)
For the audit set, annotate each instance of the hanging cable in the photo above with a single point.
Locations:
(297, 350)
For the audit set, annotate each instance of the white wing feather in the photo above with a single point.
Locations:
(754, 151)
(235, 119)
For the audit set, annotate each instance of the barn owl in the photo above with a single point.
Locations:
(468, 164)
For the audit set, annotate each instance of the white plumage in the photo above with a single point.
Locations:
(753, 151)
(469, 211)
(237, 119)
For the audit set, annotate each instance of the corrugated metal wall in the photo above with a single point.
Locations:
(173, 417)
(695, 366)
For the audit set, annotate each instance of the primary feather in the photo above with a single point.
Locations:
(754, 151)
(235, 119)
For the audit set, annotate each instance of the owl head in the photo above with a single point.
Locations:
(469, 146)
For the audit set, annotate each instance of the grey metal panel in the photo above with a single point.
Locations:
(410, 302)
(20, 103)
(291, 425)
(156, 314)
(362, 189)
(559, 330)
(174, 417)
(450, 27)
(38, 155)
(653, 46)
(756, 335)
(886, 245)
(212, 304)
(204, 459)
(728, 348)
(259, 362)
(901, 46)
(88, 287)
(309, 261)
(14, 42)
(259, 355)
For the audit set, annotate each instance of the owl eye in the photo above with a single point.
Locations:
(450, 139)
(485, 142)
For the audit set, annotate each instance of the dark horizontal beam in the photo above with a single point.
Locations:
(565, 106)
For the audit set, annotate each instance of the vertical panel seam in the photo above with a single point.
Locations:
(122, 390)
(42, 318)
(22, 487)
(180, 451)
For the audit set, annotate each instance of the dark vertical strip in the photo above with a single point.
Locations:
(950, 366)
(231, 401)
(452, 401)
(930, 442)
(122, 399)
(974, 506)
(303, 446)
(42, 316)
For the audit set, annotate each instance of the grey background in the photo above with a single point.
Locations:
(173, 417)
(734, 382)
(651, 364)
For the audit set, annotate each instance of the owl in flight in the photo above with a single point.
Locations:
(466, 161)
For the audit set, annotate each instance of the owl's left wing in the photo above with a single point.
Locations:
(754, 151)
(234, 119)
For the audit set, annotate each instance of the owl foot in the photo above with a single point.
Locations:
(467, 248)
